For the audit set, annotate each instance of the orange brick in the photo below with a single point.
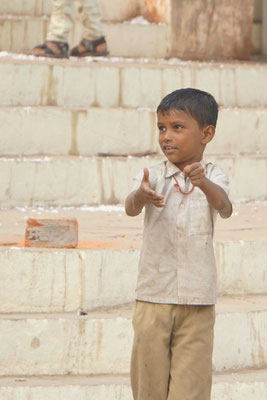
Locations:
(58, 233)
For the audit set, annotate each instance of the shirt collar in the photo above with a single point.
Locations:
(171, 168)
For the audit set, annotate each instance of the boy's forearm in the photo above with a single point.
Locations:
(217, 198)
(133, 206)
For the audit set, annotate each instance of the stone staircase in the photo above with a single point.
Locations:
(73, 134)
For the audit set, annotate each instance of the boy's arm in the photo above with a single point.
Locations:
(136, 200)
(215, 195)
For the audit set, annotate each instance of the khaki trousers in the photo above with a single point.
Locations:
(172, 352)
(62, 20)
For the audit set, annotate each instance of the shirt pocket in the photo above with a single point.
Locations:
(199, 218)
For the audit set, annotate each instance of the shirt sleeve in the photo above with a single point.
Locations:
(218, 175)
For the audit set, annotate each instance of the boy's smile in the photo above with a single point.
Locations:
(180, 137)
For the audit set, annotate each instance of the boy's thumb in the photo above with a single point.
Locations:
(146, 175)
(186, 171)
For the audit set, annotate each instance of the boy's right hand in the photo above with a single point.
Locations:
(146, 195)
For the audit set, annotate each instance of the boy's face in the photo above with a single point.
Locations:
(181, 139)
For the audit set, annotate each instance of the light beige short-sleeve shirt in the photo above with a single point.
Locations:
(177, 263)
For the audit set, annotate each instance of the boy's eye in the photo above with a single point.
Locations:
(161, 128)
(177, 126)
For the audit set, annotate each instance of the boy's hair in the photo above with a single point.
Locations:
(199, 104)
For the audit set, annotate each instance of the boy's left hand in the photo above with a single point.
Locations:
(215, 195)
(196, 174)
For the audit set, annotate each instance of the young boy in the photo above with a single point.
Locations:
(176, 288)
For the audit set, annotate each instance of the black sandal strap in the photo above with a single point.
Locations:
(91, 45)
(48, 51)
(63, 47)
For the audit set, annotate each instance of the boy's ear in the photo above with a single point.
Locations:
(208, 133)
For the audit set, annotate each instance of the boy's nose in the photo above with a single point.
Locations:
(167, 136)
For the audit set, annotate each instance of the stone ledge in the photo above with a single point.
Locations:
(245, 385)
(76, 181)
(65, 281)
(82, 344)
(248, 385)
(64, 131)
(120, 10)
(121, 83)
(19, 34)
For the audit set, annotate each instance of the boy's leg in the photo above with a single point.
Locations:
(61, 20)
(56, 44)
(93, 41)
(191, 353)
(90, 16)
(150, 363)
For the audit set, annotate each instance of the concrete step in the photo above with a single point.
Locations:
(82, 344)
(75, 181)
(68, 280)
(19, 34)
(101, 387)
(115, 82)
(121, 131)
(88, 132)
(120, 10)
(56, 281)
(43, 280)
(245, 385)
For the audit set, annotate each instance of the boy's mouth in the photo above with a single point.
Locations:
(168, 148)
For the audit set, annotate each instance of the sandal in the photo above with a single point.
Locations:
(90, 48)
(63, 50)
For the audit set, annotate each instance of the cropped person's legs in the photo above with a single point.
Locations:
(61, 20)
(90, 16)
(56, 44)
(191, 353)
(150, 363)
(93, 41)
